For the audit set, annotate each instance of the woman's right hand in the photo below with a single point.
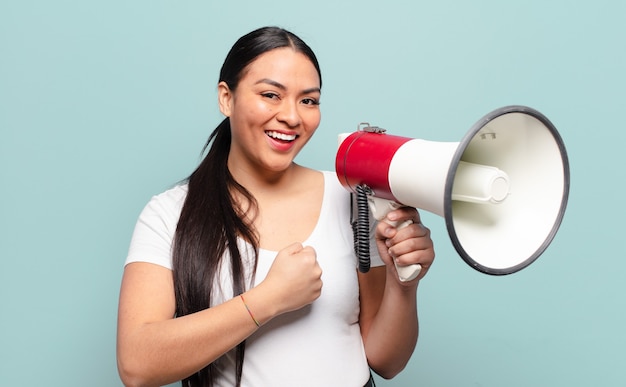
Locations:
(294, 279)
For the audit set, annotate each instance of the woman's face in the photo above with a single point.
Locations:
(273, 112)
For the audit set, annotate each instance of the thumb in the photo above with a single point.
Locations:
(293, 248)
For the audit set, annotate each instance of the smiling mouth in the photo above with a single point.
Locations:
(281, 136)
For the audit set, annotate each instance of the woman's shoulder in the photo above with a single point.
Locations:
(333, 184)
(155, 228)
(327, 182)
(173, 194)
(328, 178)
(169, 202)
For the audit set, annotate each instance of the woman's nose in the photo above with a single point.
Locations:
(289, 114)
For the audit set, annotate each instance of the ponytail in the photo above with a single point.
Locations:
(210, 223)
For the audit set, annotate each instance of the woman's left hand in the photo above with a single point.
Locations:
(405, 245)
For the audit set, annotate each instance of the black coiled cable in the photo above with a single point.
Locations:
(361, 229)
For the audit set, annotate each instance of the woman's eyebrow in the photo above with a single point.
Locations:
(272, 83)
(283, 87)
(312, 90)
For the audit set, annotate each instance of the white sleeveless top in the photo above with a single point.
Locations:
(318, 345)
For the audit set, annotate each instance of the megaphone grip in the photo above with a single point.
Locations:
(408, 272)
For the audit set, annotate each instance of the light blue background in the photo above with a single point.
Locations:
(103, 104)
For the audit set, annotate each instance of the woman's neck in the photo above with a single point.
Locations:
(257, 181)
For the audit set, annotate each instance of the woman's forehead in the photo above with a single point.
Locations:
(282, 65)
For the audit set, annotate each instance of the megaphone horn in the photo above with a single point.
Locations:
(502, 189)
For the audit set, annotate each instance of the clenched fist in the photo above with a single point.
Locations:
(294, 279)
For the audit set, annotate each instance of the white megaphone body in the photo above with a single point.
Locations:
(502, 189)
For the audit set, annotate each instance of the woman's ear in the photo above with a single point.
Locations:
(224, 98)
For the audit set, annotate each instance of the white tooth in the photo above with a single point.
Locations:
(281, 136)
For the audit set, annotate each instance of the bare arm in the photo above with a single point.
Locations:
(389, 321)
(154, 348)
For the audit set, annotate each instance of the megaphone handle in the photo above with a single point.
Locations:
(380, 208)
(409, 272)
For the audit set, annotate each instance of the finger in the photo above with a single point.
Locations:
(406, 251)
(423, 257)
(408, 245)
(293, 248)
(403, 213)
(308, 249)
(305, 251)
(413, 231)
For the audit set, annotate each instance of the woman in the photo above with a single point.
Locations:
(245, 274)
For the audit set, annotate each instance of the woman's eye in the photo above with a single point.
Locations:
(270, 95)
(310, 101)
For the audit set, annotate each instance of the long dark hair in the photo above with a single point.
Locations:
(211, 221)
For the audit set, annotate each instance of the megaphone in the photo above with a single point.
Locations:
(502, 189)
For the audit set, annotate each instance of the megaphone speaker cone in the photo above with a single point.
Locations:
(508, 236)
